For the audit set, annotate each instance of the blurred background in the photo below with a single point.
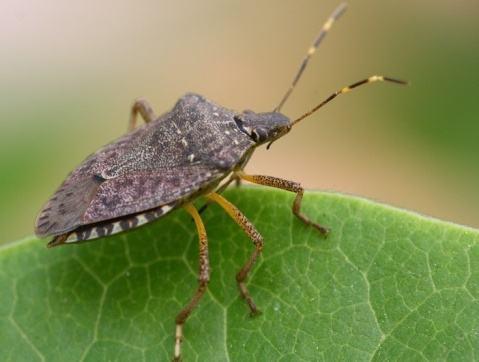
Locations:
(69, 72)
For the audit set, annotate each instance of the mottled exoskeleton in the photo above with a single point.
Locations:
(167, 163)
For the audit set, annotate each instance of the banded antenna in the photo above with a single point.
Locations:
(312, 49)
(372, 79)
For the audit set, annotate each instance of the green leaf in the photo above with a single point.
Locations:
(385, 285)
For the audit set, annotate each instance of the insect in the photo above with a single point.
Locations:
(194, 150)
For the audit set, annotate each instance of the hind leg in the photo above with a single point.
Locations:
(141, 106)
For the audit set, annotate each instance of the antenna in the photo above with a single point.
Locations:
(312, 49)
(372, 79)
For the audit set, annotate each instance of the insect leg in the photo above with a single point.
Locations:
(288, 186)
(254, 235)
(221, 189)
(142, 106)
(204, 277)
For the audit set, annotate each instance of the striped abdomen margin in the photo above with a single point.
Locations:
(110, 227)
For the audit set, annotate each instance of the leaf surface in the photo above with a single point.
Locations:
(385, 285)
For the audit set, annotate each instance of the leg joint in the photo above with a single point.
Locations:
(258, 241)
(204, 277)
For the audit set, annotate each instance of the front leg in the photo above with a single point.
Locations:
(141, 106)
(288, 186)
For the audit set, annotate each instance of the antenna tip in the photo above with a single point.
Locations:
(398, 81)
(341, 8)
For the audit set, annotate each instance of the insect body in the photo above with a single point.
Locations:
(155, 168)
(167, 163)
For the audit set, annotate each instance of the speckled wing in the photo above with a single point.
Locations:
(163, 162)
(93, 200)
(64, 210)
(132, 193)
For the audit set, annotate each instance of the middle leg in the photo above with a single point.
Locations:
(253, 234)
(203, 279)
(219, 190)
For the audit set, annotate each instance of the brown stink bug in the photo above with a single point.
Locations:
(169, 162)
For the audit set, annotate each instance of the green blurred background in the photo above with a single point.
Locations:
(69, 72)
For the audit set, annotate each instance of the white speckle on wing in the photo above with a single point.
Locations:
(184, 142)
(227, 132)
(177, 128)
(215, 114)
(191, 157)
(236, 142)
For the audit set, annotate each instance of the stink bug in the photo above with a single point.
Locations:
(169, 162)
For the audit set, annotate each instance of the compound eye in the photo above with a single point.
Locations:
(240, 125)
(255, 136)
(239, 122)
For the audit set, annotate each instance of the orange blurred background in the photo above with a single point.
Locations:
(70, 70)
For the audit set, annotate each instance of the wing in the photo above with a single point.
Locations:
(170, 159)
(130, 194)
(94, 199)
